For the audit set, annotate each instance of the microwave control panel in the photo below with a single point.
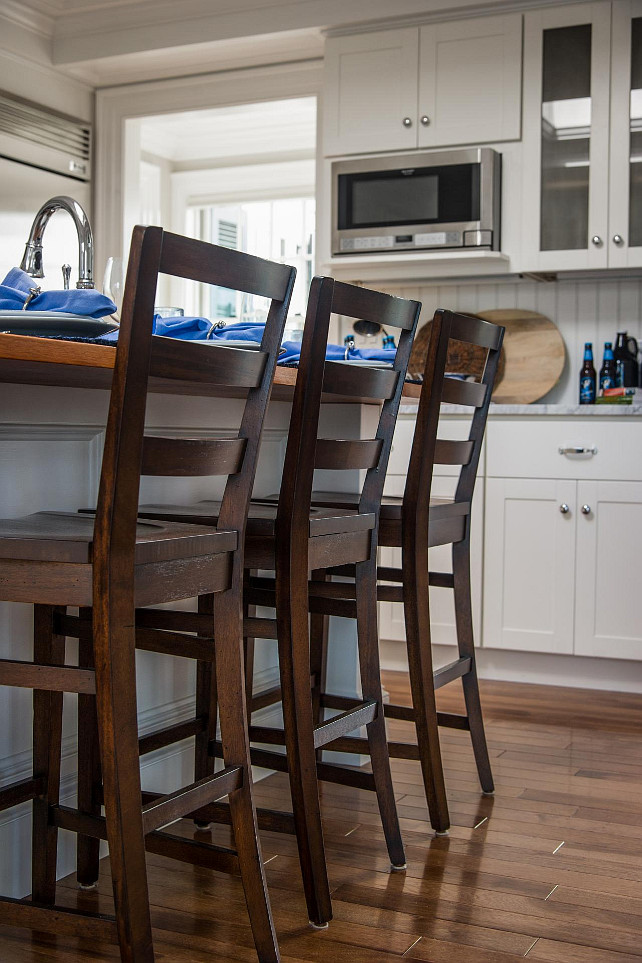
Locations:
(396, 242)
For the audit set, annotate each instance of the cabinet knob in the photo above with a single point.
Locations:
(596, 240)
(425, 120)
(564, 508)
(618, 239)
(586, 509)
(407, 122)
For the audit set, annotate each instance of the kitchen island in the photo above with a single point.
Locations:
(53, 408)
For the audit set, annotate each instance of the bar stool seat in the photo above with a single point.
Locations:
(261, 521)
(69, 537)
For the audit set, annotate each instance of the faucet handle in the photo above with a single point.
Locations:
(66, 274)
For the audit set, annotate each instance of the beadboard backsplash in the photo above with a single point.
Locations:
(582, 310)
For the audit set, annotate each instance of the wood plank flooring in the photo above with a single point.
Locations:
(550, 868)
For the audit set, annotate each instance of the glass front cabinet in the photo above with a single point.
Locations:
(583, 137)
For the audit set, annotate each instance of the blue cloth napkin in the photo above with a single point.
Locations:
(88, 302)
(202, 329)
(337, 352)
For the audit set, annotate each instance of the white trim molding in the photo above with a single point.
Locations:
(117, 105)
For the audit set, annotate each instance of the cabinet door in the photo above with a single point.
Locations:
(607, 601)
(470, 81)
(566, 139)
(370, 89)
(625, 202)
(529, 564)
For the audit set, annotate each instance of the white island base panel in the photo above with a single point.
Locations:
(50, 451)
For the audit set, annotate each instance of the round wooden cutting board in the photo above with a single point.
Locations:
(534, 351)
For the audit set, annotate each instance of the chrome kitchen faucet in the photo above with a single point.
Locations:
(32, 258)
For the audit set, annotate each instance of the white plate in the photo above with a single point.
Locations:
(365, 363)
(231, 343)
(54, 322)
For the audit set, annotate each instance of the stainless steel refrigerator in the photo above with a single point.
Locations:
(43, 153)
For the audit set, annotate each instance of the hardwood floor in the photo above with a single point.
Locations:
(549, 868)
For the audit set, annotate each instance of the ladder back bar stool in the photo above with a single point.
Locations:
(293, 541)
(107, 565)
(415, 523)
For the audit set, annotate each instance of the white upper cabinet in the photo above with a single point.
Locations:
(370, 92)
(583, 136)
(432, 86)
(625, 198)
(470, 81)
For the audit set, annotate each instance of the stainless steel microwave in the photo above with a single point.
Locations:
(417, 202)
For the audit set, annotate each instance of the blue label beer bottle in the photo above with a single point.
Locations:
(587, 377)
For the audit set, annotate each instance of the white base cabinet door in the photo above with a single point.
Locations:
(608, 600)
(529, 564)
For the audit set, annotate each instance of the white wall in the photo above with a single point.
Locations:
(26, 70)
(584, 310)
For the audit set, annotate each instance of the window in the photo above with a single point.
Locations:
(280, 229)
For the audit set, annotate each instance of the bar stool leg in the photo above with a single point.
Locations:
(89, 775)
(49, 649)
(206, 700)
(420, 666)
(466, 643)
(294, 668)
(368, 643)
(114, 651)
(236, 752)
(319, 625)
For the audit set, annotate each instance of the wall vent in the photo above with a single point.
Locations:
(34, 135)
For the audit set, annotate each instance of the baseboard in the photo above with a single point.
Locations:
(576, 671)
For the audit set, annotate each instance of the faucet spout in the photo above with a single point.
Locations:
(32, 258)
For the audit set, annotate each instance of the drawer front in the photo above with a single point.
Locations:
(530, 448)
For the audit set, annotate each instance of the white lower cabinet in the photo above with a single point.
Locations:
(562, 555)
(608, 599)
(529, 564)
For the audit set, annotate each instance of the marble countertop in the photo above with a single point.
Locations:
(610, 411)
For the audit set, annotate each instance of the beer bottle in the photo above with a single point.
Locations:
(587, 377)
(607, 371)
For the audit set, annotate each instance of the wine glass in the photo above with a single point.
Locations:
(114, 282)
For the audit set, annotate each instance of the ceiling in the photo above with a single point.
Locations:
(112, 42)
(86, 34)
(243, 131)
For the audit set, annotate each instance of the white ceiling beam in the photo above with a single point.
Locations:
(110, 28)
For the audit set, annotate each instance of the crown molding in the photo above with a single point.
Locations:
(32, 18)
(444, 12)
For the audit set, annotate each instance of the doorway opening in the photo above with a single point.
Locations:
(240, 176)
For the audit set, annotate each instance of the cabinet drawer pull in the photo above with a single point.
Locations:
(586, 509)
(407, 122)
(564, 508)
(576, 450)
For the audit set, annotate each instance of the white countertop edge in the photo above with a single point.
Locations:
(610, 411)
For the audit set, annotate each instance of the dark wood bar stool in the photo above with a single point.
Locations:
(416, 523)
(108, 565)
(293, 540)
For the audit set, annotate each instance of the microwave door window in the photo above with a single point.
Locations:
(398, 200)
(434, 195)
